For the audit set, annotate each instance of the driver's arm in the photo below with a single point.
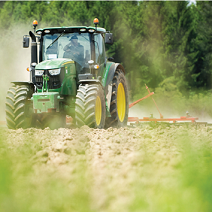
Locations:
(67, 47)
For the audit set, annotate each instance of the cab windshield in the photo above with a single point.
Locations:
(73, 46)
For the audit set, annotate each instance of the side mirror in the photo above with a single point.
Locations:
(25, 41)
(108, 38)
(110, 59)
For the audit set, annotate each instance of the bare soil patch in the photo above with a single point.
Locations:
(147, 168)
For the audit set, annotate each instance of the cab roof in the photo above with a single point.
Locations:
(68, 29)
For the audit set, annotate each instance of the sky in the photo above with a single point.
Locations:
(192, 1)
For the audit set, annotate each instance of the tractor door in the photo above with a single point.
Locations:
(100, 52)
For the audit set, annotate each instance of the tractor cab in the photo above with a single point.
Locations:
(83, 45)
(79, 46)
(75, 46)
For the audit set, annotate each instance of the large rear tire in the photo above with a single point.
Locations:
(90, 107)
(19, 109)
(119, 106)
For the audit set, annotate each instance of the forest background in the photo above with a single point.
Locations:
(166, 45)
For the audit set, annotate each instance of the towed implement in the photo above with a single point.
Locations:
(69, 76)
(137, 120)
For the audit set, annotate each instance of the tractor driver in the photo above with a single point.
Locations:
(74, 50)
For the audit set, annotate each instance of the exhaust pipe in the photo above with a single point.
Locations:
(34, 53)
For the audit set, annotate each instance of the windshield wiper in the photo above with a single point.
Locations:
(55, 40)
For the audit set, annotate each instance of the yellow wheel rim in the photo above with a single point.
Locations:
(121, 102)
(98, 111)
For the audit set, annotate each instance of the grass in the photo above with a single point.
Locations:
(28, 185)
(186, 188)
(160, 168)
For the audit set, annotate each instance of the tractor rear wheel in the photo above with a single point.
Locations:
(19, 109)
(119, 105)
(90, 107)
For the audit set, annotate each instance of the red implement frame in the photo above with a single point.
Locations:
(136, 102)
(161, 119)
(181, 119)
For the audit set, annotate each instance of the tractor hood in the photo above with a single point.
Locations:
(53, 64)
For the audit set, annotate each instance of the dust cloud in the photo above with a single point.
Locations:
(14, 60)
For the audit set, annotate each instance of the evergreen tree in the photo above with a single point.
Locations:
(180, 52)
(204, 45)
(157, 42)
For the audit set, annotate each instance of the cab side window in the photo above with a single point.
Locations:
(99, 49)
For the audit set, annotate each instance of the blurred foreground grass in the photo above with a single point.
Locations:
(28, 185)
(160, 168)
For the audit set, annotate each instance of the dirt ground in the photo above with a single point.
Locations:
(147, 168)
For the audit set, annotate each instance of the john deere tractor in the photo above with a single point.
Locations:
(70, 75)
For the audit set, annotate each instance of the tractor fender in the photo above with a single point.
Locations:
(90, 81)
(111, 73)
(108, 85)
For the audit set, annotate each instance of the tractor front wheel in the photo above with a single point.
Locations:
(19, 110)
(90, 106)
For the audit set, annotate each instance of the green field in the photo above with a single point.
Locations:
(148, 168)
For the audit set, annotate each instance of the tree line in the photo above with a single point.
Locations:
(162, 44)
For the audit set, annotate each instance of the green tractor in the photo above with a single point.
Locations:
(70, 75)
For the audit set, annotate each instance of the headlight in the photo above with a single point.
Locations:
(39, 72)
(54, 71)
(91, 30)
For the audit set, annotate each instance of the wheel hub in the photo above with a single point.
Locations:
(121, 102)
(98, 111)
